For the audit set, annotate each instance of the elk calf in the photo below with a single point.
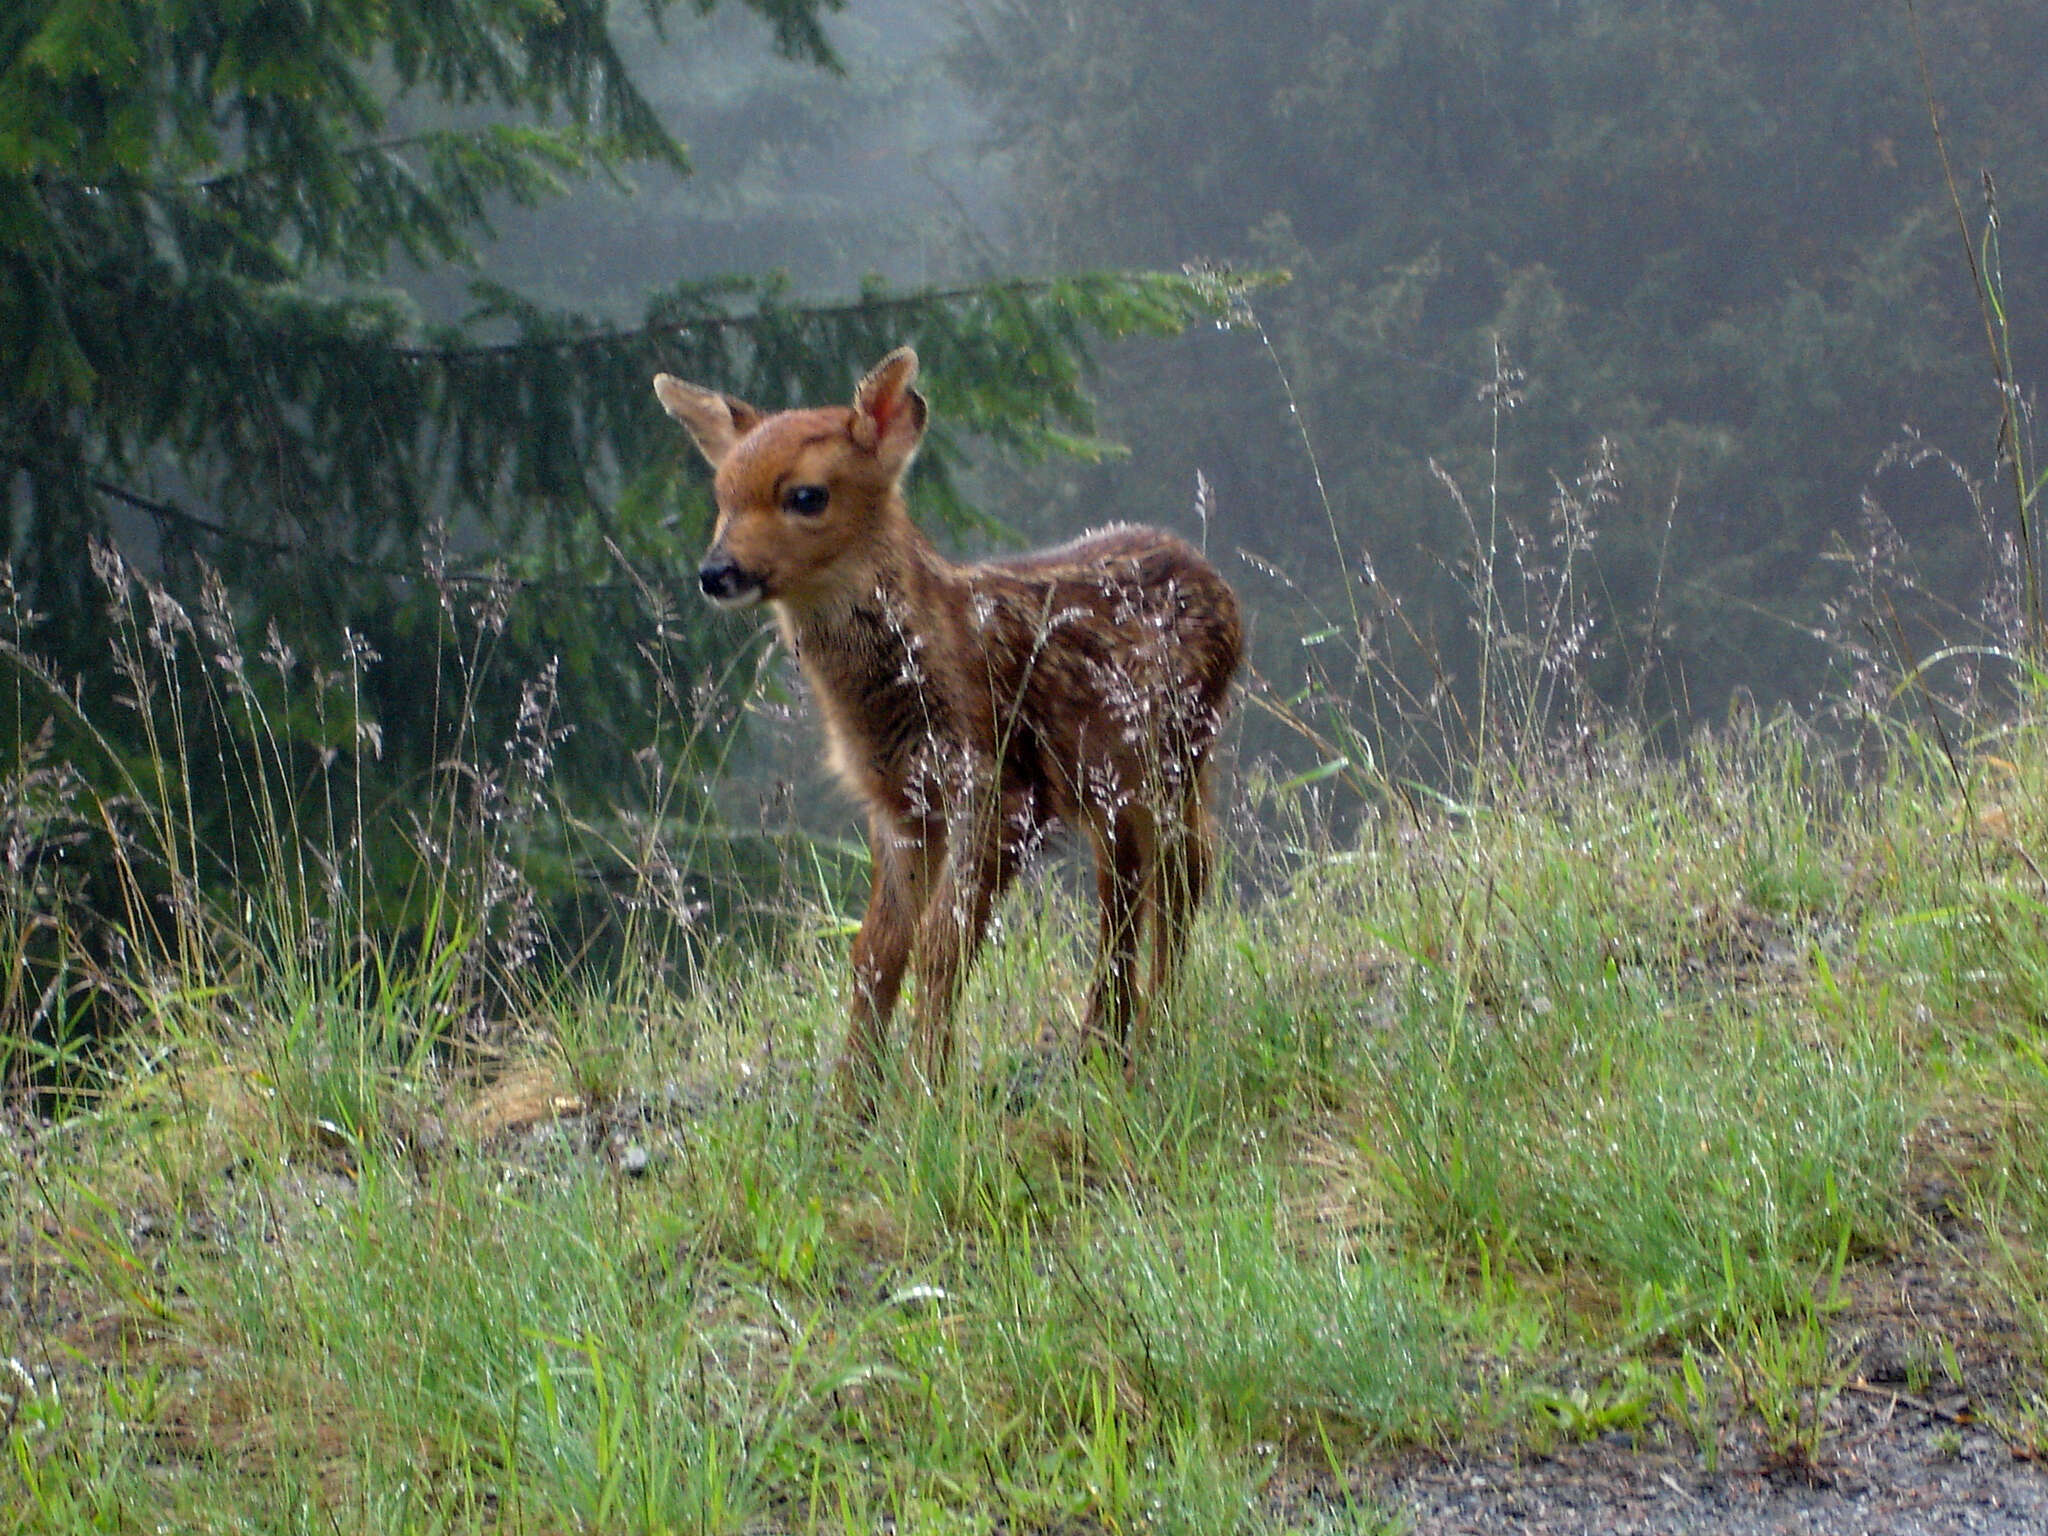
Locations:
(972, 706)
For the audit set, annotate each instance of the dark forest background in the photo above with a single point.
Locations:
(326, 336)
(1710, 244)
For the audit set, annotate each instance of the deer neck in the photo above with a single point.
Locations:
(874, 656)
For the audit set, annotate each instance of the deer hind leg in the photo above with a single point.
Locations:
(1126, 868)
(906, 857)
(983, 861)
(1187, 857)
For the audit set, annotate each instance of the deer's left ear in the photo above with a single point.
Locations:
(888, 415)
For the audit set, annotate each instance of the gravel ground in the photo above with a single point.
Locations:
(1895, 1477)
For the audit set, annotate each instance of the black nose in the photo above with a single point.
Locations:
(721, 579)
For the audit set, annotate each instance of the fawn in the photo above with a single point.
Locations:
(970, 707)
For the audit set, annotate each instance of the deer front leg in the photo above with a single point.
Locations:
(905, 858)
(982, 863)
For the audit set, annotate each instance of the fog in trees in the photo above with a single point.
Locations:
(1697, 261)
(875, 170)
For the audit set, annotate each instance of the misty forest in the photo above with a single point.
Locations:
(1615, 1034)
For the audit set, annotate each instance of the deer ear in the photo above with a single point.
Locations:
(888, 415)
(716, 421)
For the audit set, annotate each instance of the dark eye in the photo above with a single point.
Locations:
(804, 500)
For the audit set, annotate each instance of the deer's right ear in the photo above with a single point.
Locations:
(715, 421)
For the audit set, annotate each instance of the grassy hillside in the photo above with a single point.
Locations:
(1602, 1098)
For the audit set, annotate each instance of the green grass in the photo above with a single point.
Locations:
(1584, 1108)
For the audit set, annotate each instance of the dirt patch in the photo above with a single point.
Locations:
(535, 1093)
